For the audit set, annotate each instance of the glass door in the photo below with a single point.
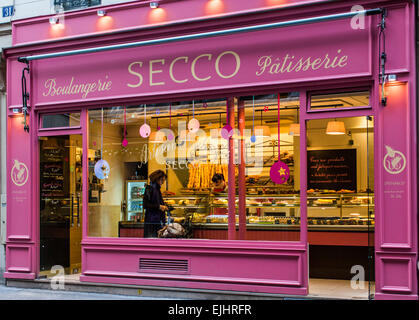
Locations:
(340, 206)
(60, 203)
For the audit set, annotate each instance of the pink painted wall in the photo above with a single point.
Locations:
(138, 14)
(116, 260)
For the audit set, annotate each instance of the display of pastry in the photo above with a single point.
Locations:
(323, 201)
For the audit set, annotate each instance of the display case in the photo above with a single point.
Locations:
(348, 214)
(331, 209)
(134, 199)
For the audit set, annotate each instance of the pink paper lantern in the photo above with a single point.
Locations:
(227, 132)
(145, 130)
(193, 125)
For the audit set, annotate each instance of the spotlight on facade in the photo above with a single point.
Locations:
(54, 20)
(101, 13)
(392, 78)
(154, 5)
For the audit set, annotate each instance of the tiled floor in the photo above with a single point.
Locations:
(339, 289)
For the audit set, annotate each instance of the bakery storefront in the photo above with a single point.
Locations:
(307, 111)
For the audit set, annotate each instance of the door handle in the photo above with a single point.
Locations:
(72, 211)
(78, 211)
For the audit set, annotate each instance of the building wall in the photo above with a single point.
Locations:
(22, 9)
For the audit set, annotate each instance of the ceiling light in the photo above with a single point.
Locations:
(157, 137)
(392, 78)
(262, 131)
(294, 129)
(336, 128)
(101, 13)
(154, 5)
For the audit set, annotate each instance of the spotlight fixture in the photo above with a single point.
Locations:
(154, 5)
(53, 20)
(101, 13)
(392, 78)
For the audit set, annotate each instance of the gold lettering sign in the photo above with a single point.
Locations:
(73, 87)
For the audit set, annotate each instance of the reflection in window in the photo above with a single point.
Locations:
(60, 120)
(76, 4)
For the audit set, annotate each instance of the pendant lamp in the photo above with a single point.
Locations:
(262, 131)
(157, 136)
(335, 128)
(295, 128)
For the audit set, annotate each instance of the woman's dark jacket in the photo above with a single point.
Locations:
(151, 201)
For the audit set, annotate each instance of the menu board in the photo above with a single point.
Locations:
(52, 172)
(332, 169)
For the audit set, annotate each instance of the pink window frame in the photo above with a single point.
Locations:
(304, 115)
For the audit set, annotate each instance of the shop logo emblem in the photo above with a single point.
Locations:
(394, 161)
(19, 173)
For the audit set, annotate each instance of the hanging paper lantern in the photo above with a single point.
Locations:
(227, 132)
(102, 169)
(279, 173)
(145, 130)
(125, 142)
(193, 125)
(253, 138)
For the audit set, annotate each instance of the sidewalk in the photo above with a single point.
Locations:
(12, 293)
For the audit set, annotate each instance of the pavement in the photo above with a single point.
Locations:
(12, 293)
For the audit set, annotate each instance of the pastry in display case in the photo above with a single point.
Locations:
(325, 210)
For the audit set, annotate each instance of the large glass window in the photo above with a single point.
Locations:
(189, 142)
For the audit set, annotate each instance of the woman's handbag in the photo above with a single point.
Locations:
(172, 230)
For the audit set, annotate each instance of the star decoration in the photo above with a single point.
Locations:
(282, 172)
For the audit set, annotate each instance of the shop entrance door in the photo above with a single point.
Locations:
(340, 209)
(60, 189)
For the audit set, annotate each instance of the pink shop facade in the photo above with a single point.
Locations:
(319, 53)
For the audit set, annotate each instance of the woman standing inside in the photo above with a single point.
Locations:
(155, 208)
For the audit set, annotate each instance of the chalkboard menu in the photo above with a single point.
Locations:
(53, 159)
(332, 169)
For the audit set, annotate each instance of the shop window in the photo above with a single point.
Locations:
(189, 159)
(189, 142)
(76, 4)
(339, 100)
(272, 206)
(63, 120)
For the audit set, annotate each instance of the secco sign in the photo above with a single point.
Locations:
(330, 50)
